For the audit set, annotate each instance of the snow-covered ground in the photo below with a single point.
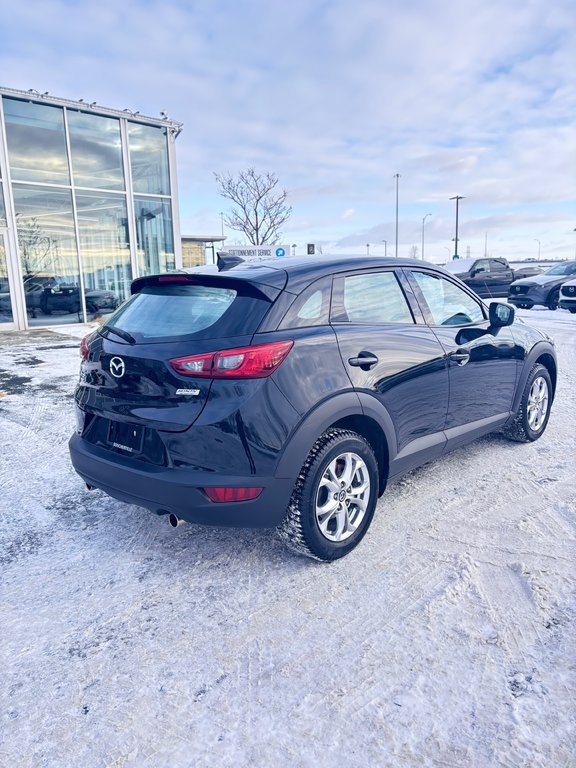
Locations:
(446, 639)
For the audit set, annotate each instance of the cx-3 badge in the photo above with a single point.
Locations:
(117, 367)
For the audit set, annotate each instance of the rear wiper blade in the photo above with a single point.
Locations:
(119, 332)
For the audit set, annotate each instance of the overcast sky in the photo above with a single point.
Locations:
(474, 98)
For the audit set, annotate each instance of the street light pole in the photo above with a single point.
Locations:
(423, 220)
(293, 249)
(457, 198)
(396, 176)
(539, 244)
(367, 249)
(385, 248)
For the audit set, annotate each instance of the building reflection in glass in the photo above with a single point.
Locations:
(73, 212)
(154, 235)
(36, 142)
(48, 252)
(149, 159)
(96, 149)
(105, 249)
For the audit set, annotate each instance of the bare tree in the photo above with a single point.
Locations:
(259, 209)
(413, 254)
(35, 245)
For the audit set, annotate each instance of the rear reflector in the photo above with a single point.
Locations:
(220, 495)
(254, 362)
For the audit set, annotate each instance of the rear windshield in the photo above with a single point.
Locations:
(192, 311)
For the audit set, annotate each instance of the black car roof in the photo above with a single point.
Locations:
(302, 270)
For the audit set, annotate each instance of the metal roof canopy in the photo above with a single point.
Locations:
(91, 107)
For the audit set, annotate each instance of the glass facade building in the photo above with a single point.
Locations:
(88, 201)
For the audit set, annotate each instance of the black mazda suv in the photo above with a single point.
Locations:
(289, 392)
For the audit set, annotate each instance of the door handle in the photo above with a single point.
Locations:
(365, 360)
(460, 356)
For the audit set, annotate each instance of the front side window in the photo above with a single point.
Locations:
(374, 298)
(482, 266)
(448, 303)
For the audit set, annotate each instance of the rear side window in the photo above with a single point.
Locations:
(374, 298)
(190, 311)
(312, 307)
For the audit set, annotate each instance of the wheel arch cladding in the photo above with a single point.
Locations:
(374, 434)
(542, 353)
(550, 364)
(343, 411)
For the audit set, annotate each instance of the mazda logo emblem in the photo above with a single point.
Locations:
(117, 367)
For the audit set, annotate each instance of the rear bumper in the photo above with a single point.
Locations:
(166, 490)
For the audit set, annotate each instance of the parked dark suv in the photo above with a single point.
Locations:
(288, 393)
(542, 289)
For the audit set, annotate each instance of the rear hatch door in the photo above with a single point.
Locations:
(127, 376)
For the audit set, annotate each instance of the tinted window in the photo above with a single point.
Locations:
(498, 266)
(311, 307)
(199, 311)
(448, 303)
(374, 298)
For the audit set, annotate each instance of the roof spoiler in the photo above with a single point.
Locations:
(225, 261)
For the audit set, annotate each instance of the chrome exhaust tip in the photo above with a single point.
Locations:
(174, 521)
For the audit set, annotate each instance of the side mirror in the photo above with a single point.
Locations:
(500, 314)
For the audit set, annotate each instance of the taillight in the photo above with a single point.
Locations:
(220, 495)
(255, 362)
(84, 351)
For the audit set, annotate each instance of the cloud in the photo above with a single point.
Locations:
(476, 99)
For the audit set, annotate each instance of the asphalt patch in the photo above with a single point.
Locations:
(12, 384)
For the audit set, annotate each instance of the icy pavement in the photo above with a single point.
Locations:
(446, 639)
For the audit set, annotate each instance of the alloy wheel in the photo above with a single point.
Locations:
(537, 404)
(342, 496)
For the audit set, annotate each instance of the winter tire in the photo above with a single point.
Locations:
(532, 417)
(334, 498)
(553, 299)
